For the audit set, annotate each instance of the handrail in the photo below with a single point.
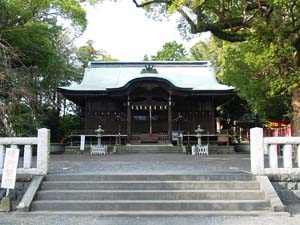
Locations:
(43, 152)
(270, 146)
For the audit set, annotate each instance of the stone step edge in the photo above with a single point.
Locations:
(152, 191)
(151, 201)
(150, 182)
(155, 177)
(155, 213)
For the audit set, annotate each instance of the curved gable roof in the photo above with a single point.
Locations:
(102, 76)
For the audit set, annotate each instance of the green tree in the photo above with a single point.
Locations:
(255, 77)
(260, 94)
(146, 58)
(272, 24)
(88, 53)
(36, 56)
(172, 51)
(206, 51)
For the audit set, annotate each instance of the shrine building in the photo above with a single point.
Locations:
(147, 102)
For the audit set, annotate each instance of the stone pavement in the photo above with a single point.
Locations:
(150, 164)
(10, 219)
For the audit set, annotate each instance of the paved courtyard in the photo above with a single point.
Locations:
(150, 164)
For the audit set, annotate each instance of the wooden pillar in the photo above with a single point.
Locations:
(213, 130)
(128, 121)
(170, 119)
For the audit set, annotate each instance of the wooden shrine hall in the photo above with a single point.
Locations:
(148, 102)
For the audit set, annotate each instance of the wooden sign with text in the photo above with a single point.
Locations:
(10, 168)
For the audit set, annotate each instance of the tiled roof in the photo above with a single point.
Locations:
(196, 76)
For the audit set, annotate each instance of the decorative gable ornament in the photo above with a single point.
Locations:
(149, 69)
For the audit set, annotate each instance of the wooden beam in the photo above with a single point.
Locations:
(128, 120)
(170, 120)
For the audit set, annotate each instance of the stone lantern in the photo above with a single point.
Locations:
(198, 132)
(99, 134)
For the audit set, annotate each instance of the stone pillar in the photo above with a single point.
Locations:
(257, 150)
(170, 119)
(128, 121)
(273, 157)
(298, 156)
(2, 153)
(43, 150)
(287, 156)
(27, 156)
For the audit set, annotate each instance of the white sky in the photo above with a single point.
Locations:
(125, 33)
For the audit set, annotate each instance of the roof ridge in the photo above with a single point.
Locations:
(93, 64)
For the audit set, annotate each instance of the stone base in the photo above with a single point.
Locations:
(5, 205)
(289, 192)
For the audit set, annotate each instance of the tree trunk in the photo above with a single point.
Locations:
(296, 112)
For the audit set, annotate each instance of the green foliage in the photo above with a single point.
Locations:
(237, 109)
(251, 68)
(36, 57)
(68, 123)
(88, 53)
(265, 68)
(172, 51)
(146, 58)
(206, 51)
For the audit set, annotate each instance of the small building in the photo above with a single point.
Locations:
(149, 101)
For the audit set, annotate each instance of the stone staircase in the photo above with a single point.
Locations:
(149, 149)
(150, 195)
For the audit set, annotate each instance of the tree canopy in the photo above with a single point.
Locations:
(270, 30)
(36, 56)
(172, 51)
(87, 53)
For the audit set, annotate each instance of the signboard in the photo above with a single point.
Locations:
(276, 124)
(176, 135)
(10, 168)
(82, 142)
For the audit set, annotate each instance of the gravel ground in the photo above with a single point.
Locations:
(150, 164)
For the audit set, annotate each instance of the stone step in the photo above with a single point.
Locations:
(149, 149)
(150, 185)
(143, 151)
(157, 205)
(139, 213)
(147, 177)
(150, 195)
(155, 194)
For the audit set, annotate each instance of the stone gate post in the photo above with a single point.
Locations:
(257, 150)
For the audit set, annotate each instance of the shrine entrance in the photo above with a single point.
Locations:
(149, 122)
(149, 111)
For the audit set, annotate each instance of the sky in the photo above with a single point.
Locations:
(125, 32)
